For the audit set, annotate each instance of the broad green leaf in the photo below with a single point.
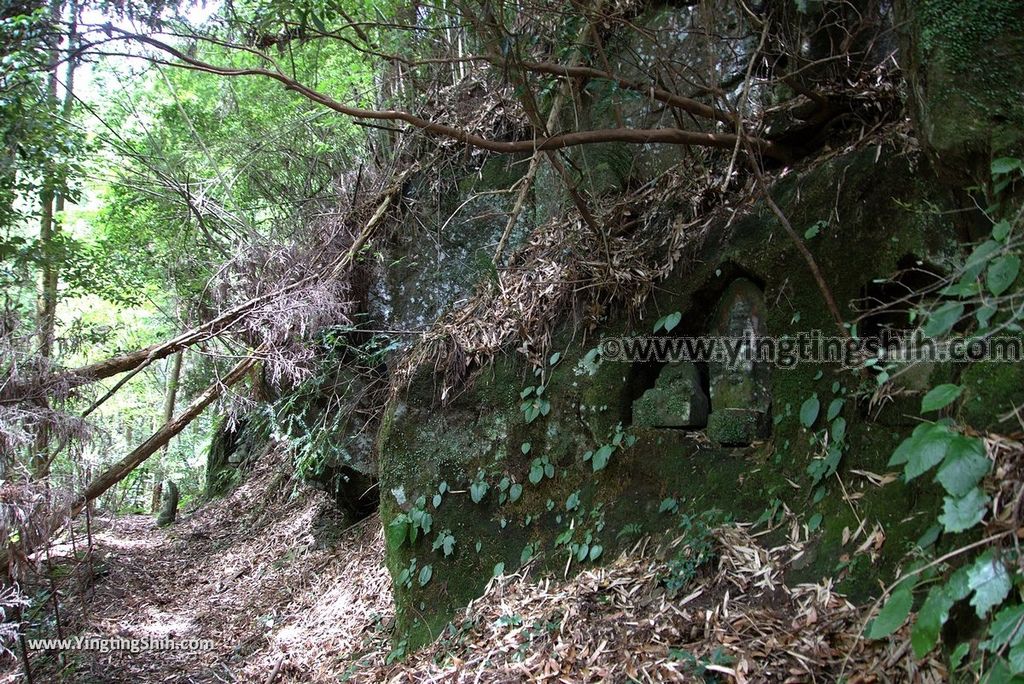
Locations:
(536, 472)
(833, 409)
(979, 258)
(397, 531)
(425, 574)
(499, 569)
(814, 522)
(990, 582)
(595, 552)
(964, 466)
(838, 429)
(893, 614)
(959, 514)
(477, 490)
(942, 319)
(601, 457)
(1001, 230)
(573, 501)
(957, 656)
(1001, 273)
(1004, 165)
(526, 554)
(1016, 659)
(1006, 629)
(809, 411)
(930, 619)
(554, 358)
(514, 492)
(928, 449)
(672, 320)
(940, 397)
(984, 314)
(525, 447)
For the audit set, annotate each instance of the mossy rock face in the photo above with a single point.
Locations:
(992, 392)
(962, 61)
(445, 242)
(583, 464)
(231, 448)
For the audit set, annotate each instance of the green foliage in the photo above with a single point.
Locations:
(600, 457)
(668, 322)
(536, 406)
(986, 576)
(694, 552)
(540, 468)
(410, 525)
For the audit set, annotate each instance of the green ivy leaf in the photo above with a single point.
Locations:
(893, 614)
(536, 471)
(940, 397)
(809, 411)
(514, 492)
(595, 552)
(672, 320)
(963, 513)
(425, 574)
(554, 358)
(499, 569)
(989, 581)
(1001, 273)
(964, 466)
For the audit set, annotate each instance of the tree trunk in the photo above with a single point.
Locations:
(117, 472)
(169, 398)
(51, 205)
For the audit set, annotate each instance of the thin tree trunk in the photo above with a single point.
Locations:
(169, 398)
(52, 204)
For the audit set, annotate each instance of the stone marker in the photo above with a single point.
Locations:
(676, 400)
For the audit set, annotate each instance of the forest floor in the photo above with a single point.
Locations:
(263, 574)
(283, 596)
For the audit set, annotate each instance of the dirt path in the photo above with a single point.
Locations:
(263, 575)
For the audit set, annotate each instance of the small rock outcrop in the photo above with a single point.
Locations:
(169, 506)
(677, 400)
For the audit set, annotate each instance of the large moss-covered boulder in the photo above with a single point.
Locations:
(552, 466)
(962, 61)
